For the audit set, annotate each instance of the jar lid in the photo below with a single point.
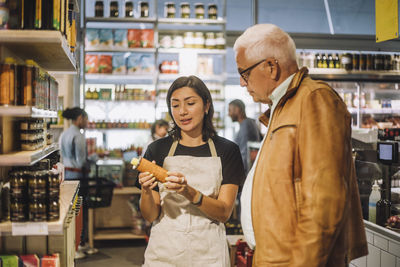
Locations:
(185, 4)
(171, 4)
(212, 5)
(199, 5)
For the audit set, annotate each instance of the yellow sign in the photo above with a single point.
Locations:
(386, 19)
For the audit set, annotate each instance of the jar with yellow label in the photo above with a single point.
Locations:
(18, 212)
(53, 184)
(199, 11)
(53, 211)
(185, 10)
(210, 40)
(37, 186)
(199, 40)
(212, 11)
(220, 40)
(188, 40)
(170, 10)
(18, 187)
(37, 211)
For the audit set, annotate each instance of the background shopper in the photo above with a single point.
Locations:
(300, 201)
(189, 210)
(159, 129)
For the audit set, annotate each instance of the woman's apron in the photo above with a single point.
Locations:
(183, 236)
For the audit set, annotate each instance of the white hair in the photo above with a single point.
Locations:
(262, 41)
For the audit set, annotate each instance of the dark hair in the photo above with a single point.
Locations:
(201, 89)
(74, 113)
(239, 103)
(159, 123)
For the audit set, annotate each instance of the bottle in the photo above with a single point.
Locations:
(99, 9)
(114, 9)
(129, 9)
(382, 209)
(374, 197)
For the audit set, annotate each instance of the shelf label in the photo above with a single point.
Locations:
(29, 228)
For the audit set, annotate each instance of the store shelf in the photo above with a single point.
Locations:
(192, 21)
(121, 50)
(68, 193)
(375, 110)
(107, 20)
(96, 101)
(126, 191)
(117, 129)
(27, 158)
(358, 76)
(170, 77)
(49, 49)
(115, 78)
(117, 234)
(26, 111)
(192, 50)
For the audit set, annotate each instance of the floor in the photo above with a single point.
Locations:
(116, 253)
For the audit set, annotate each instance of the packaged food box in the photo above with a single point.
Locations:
(105, 64)
(50, 260)
(91, 63)
(106, 38)
(147, 63)
(134, 37)
(147, 38)
(121, 38)
(30, 260)
(92, 38)
(133, 63)
(105, 93)
(10, 260)
(118, 64)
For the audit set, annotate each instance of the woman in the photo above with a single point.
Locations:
(188, 211)
(73, 144)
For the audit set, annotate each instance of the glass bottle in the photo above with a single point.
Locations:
(99, 9)
(114, 9)
(382, 209)
(144, 9)
(129, 9)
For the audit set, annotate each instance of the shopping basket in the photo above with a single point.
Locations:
(99, 192)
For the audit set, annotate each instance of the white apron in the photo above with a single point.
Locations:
(183, 236)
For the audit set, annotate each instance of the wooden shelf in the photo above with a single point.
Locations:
(192, 50)
(121, 49)
(192, 21)
(126, 191)
(26, 111)
(68, 194)
(27, 158)
(49, 49)
(344, 75)
(116, 234)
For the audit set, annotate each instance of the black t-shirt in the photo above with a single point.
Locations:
(231, 161)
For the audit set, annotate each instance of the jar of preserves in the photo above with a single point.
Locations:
(18, 186)
(356, 62)
(129, 9)
(370, 63)
(8, 82)
(387, 62)
(210, 42)
(29, 145)
(199, 11)
(53, 210)
(199, 40)
(185, 10)
(170, 10)
(18, 212)
(99, 9)
(53, 184)
(144, 9)
(220, 40)
(114, 9)
(188, 40)
(31, 135)
(347, 61)
(37, 211)
(363, 62)
(379, 62)
(212, 11)
(37, 185)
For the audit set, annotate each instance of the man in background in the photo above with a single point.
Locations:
(248, 130)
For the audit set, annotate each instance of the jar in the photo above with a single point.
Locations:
(210, 42)
(129, 9)
(31, 135)
(199, 11)
(29, 145)
(212, 11)
(166, 41)
(53, 184)
(174, 67)
(170, 10)
(370, 63)
(363, 62)
(144, 9)
(347, 61)
(177, 41)
(185, 10)
(8, 82)
(53, 210)
(188, 40)
(18, 186)
(29, 74)
(37, 186)
(220, 40)
(356, 62)
(99, 9)
(379, 62)
(37, 211)
(199, 40)
(18, 212)
(114, 9)
(387, 63)
(165, 67)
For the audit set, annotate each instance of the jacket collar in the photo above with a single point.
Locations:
(291, 91)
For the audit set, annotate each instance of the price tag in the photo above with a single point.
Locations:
(30, 228)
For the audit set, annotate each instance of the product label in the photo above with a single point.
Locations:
(31, 228)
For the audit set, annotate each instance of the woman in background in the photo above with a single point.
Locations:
(159, 129)
(205, 171)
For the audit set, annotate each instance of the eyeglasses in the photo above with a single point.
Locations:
(246, 73)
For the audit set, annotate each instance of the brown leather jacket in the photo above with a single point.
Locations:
(305, 203)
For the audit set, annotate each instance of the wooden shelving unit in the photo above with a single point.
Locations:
(27, 158)
(26, 111)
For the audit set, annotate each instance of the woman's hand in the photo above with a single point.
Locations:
(147, 181)
(177, 182)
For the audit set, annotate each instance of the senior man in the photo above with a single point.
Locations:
(300, 201)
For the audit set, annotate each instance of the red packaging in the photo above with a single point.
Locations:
(91, 63)
(50, 261)
(105, 64)
(134, 37)
(30, 260)
(147, 38)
